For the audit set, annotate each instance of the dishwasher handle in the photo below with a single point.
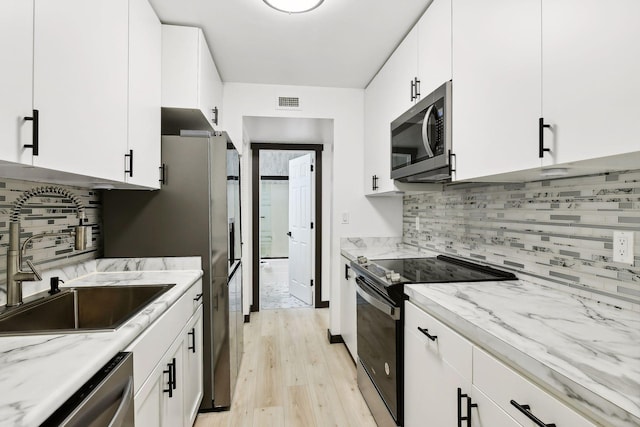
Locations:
(119, 418)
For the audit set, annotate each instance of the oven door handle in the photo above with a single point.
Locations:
(375, 301)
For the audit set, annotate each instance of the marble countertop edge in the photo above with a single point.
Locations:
(40, 386)
(562, 386)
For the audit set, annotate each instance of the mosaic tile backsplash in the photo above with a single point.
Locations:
(48, 214)
(560, 232)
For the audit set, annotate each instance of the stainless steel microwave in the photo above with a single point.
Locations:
(421, 139)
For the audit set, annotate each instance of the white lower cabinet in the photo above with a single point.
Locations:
(348, 308)
(450, 381)
(193, 384)
(167, 360)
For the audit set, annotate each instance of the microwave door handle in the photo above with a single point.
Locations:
(382, 306)
(425, 136)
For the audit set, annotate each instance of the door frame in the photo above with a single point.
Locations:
(255, 217)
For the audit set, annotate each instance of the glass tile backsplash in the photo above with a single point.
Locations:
(558, 231)
(48, 214)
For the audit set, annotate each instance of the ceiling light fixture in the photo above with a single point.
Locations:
(293, 6)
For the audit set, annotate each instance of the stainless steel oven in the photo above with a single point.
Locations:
(380, 322)
(106, 400)
(379, 352)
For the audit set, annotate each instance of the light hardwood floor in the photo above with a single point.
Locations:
(291, 376)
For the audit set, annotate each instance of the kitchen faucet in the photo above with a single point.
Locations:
(15, 275)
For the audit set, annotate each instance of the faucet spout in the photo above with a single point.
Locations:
(15, 275)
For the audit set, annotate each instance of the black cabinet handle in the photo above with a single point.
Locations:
(346, 271)
(35, 143)
(416, 85)
(193, 337)
(215, 116)
(198, 297)
(173, 368)
(170, 386)
(413, 86)
(452, 168)
(374, 182)
(130, 156)
(541, 127)
(526, 410)
(289, 233)
(469, 406)
(163, 174)
(426, 332)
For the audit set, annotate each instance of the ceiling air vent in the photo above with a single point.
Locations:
(288, 103)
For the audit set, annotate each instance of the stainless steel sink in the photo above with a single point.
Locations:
(82, 309)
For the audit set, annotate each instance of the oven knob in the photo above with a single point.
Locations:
(362, 260)
(395, 277)
(388, 274)
(386, 368)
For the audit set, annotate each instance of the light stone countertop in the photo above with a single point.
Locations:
(378, 248)
(39, 372)
(587, 354)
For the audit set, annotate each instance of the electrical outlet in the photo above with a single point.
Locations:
(417, 223)
(623, 243)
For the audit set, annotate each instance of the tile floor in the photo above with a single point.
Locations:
(274, 285)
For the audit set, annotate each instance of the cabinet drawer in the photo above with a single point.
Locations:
(448, 345)
(161, 334)
(502, 385)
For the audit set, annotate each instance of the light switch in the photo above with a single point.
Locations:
(345, 217)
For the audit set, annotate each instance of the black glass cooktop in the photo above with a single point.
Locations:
(440, 269)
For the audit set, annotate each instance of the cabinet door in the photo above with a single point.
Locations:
(348, 308)
(591, 78)
(496, 86)
(80, 85)
(172, 404)
(193, 386)
(179, 66)
(430, 385)
(145, 65)
(148, 401)
(402, 68)
(210, 85)
(16, 78)
(434, 46)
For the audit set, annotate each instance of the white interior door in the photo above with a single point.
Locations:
(300, 231)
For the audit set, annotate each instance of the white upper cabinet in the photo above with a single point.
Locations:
(80, 85)
(576, 64)
(496, 86)
(16, 79)
(590, 78)
(400, 70)
(190, 79)
(145, 65)
(434, 46)
(90, 73)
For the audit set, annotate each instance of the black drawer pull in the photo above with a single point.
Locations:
(526, 409)
(193, 336)
(426, 332)
(541, 127)
(469, 406)
(170, 386)
(198, 297)
(35, 145)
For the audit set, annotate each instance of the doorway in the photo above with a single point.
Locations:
(287, 272)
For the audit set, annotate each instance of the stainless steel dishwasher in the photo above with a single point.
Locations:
(106, 400)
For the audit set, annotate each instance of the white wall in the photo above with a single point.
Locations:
(342, 169)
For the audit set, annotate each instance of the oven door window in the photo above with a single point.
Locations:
(419, 138)
(377, 350)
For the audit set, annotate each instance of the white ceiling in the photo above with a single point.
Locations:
(342, 43)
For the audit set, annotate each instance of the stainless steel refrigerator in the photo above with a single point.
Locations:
(196, 212)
